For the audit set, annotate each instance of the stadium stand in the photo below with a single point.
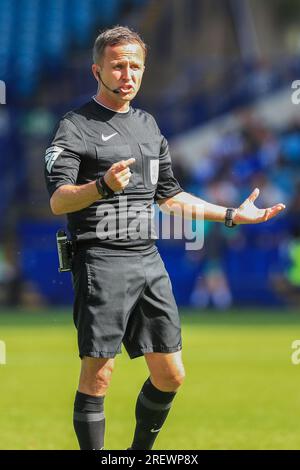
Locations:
(45, 43)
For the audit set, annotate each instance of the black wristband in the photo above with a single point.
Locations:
(229, 218)
(107, 189)
(103, 189)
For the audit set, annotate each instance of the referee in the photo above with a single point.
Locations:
(107, 157)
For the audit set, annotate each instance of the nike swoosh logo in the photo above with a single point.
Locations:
(155, 430)
(107, 137)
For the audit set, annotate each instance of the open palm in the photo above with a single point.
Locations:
(248, 213)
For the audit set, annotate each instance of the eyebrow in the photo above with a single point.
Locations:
(123, 61)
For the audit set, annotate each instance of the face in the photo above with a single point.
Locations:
(122, 67)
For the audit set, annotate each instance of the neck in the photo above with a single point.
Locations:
(120, 107)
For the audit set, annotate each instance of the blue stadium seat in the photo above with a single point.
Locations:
(80, 19)
(38, 34)
(107, 11)
(54, 36)
(25, 57)
(6, 35)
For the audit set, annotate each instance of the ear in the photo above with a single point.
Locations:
(96, 71)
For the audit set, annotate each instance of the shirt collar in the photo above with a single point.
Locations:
(106, 107)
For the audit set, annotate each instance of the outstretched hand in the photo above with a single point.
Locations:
(248, 213)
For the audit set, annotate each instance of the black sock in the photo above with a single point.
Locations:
(151, 411)
(89, 421)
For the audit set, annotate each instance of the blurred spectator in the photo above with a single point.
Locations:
(286, 278)
(10, 279)
(14, 289)
(211, 289)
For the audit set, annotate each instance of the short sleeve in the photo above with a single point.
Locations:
(63, 157)
(167, 185)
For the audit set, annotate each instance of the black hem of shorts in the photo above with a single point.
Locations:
(132, 354)
(154, 349)
(99, 354)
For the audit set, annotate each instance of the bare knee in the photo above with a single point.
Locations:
(170, 381)
(95, 375)
(166, 370)
(103, 376)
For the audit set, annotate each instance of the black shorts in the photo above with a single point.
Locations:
(123, 298)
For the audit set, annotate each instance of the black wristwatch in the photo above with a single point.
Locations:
(103, 189)
(229, 218)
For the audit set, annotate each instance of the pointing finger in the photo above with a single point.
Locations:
(129, 162)
(124, 164)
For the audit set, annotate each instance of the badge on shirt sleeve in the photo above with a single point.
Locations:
(52, 153)
(154, 170)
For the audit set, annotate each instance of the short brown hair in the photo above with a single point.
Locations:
(113, 36)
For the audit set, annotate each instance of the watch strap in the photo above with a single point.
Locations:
(103, 189)
(229, 218)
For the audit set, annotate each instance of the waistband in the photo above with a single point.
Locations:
(92, 245)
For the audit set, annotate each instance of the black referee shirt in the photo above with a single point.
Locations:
(87, 142)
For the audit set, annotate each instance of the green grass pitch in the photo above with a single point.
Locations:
(241, 390)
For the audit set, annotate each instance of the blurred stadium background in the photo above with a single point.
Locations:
(219, 82)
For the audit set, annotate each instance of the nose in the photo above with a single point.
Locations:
(126, 73)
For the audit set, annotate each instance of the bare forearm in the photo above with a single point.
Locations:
(71, 198)
(192, 207)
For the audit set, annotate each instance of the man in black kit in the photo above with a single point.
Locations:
(107, 157)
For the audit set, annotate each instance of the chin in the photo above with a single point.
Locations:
(129, 97)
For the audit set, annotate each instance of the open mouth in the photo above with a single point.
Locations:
(126, 88)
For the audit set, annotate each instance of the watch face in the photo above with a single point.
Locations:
(229, 218)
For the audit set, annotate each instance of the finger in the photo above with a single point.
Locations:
(126, 175)
(124, 180)
(123, 172)
(130, 161)
(123, 164)
(250, 199)
(253, 195)
(267, 214)
(124, 184)
(273, 211)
